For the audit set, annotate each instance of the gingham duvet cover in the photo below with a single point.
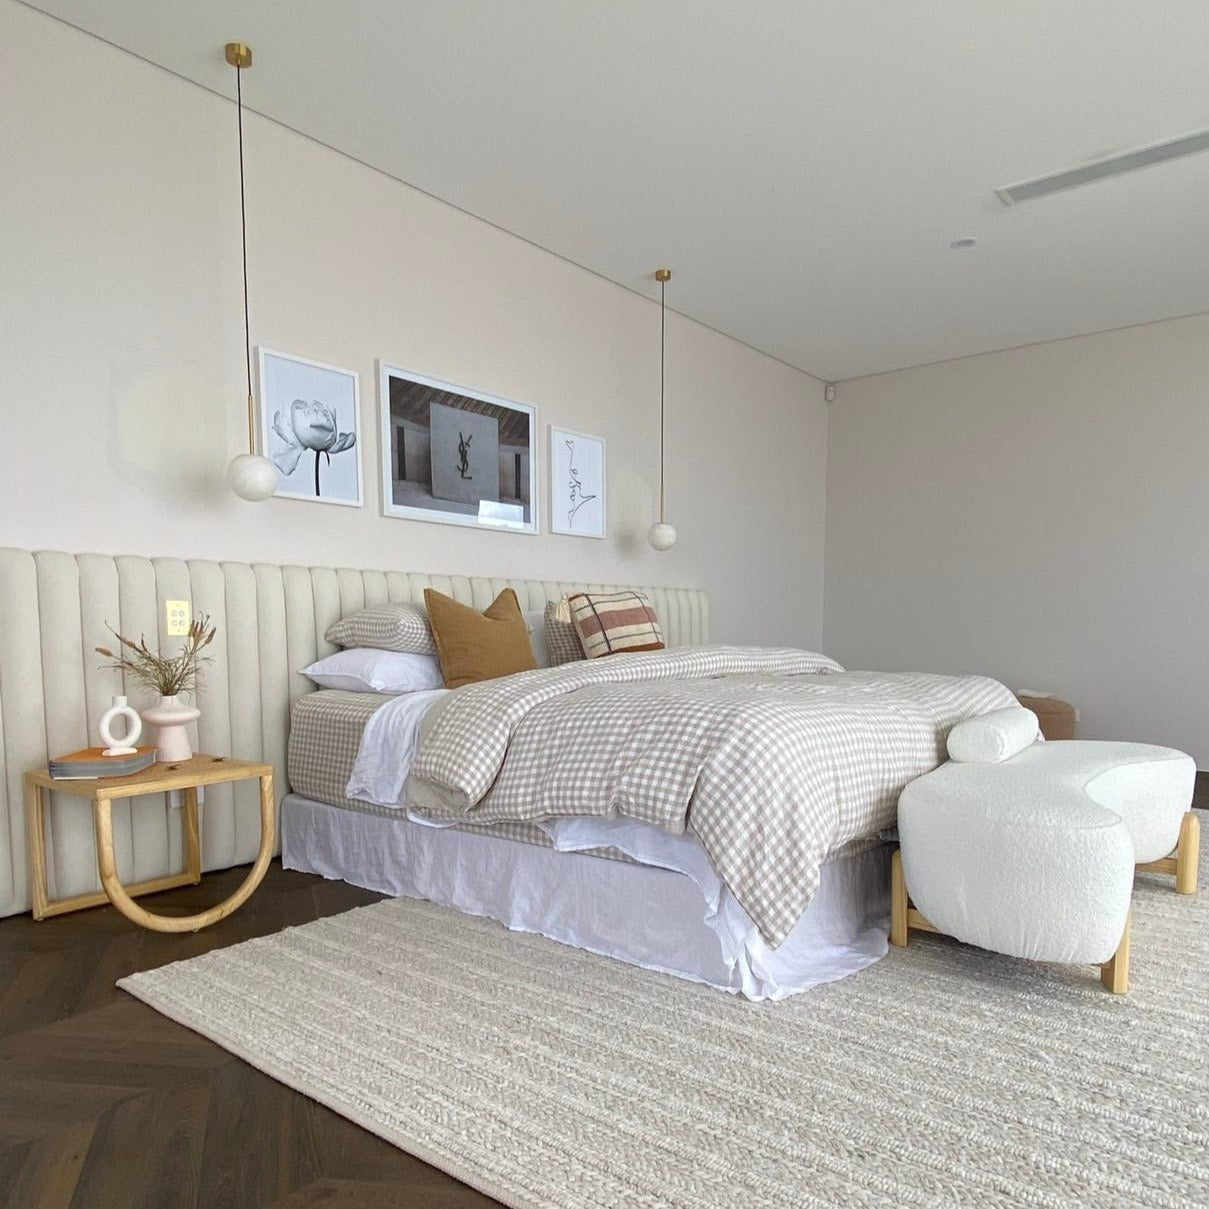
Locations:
(773, 757)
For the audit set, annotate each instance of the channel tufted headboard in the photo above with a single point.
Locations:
(271, 620)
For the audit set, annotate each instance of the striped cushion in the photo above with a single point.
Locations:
(609, 622)
(562, 642)
(389, 627)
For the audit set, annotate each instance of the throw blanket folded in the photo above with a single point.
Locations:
(772, 757)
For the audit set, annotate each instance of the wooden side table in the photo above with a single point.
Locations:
(184, 775)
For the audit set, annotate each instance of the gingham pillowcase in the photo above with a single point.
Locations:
(562, 642)
(388, 627)
(610, 622)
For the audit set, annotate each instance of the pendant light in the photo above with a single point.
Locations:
(661, 535)
(251, 476)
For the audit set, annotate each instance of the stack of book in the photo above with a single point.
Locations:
(92, 763)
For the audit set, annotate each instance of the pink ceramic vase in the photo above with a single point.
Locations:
(170, 719)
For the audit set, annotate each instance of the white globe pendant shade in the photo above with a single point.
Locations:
(252, 477)
(661, 535)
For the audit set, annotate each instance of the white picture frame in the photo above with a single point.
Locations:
(578, 505)
(302, 405)
(433, 470)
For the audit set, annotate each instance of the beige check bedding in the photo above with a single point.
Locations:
(774, 758)
(325, 735)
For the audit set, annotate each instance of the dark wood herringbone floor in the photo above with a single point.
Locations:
(104, 1102)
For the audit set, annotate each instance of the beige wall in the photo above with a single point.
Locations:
(1040, 515)
(121, 360)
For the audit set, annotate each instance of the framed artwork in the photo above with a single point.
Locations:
(456, 456)
(310, 427)
(577, 483)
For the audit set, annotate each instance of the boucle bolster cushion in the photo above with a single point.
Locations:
(478, 646)
(994, 737)
(610, 622)
(562, 642)
(389, 627)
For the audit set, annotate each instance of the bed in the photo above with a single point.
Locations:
(503, 799)
(272, 621)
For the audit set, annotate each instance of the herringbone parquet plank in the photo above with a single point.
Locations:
(104, 1102)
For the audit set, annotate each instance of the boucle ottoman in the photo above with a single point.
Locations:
(1032, 853)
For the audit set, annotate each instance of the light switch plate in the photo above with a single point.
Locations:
(180, 616)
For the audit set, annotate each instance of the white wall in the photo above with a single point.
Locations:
(121, 361)
(1041, 515)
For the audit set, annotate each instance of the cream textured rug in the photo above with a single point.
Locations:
(545, 1076)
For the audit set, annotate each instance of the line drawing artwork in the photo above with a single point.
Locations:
(576, 496)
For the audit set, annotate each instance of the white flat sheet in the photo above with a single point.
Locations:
(388, 747)
(650, 916)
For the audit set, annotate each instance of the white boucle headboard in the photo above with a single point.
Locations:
(271, 620)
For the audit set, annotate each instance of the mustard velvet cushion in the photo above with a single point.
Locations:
(476, 646)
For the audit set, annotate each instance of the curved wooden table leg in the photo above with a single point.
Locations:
(103, 822)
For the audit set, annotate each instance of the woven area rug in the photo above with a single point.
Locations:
(548, 1077)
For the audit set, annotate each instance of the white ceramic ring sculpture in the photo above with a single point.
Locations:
(120, 708)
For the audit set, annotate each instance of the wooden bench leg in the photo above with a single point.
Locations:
(1114, 973)
(1186, 859)
(898, 901)
(1188, 854)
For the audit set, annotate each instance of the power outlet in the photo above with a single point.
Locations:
(179, 617)
(175, 801)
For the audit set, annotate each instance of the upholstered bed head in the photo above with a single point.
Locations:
(271, 620)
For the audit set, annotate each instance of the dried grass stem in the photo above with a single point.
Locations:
(168, 675)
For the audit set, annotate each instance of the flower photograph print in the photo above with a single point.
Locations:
(577, 483)
(310, 428)
(456, 456)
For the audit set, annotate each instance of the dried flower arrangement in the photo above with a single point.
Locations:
(168, 675)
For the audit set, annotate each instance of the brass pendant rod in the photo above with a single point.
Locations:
(662, 276)
(243, 227)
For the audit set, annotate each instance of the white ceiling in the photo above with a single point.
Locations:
(801, 165)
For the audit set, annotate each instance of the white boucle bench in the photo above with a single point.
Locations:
(1029, 848)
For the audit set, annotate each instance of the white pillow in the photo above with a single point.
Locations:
(369, 670)
(994, 737)
(535, 623)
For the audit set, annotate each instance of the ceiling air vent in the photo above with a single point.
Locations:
(1115, 165)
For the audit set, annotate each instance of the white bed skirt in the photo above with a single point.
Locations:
(647, 916)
